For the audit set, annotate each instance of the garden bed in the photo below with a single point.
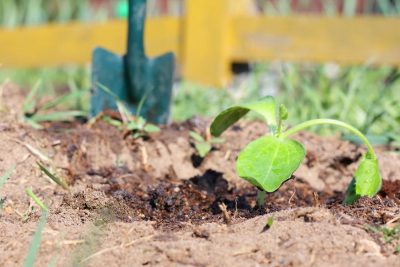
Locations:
(155, 202)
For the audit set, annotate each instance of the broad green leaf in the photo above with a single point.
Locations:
(368, 178)
(151, 128)
(202, 148)
(196, 136)
(269, 161)
(266, 107)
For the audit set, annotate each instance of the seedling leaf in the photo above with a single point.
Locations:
(196, 136)
(266, 107)
(269, 161)
(151, 128)
(216, 140)
(367, 177)
(53, 177)
(202, 148)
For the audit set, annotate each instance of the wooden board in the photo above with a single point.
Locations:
(355, 40)
(212, 37)
(72, 43)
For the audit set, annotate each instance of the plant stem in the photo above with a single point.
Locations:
(279, 128)
(261, 198)
(352, 129)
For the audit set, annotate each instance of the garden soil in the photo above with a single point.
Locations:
(154, 202)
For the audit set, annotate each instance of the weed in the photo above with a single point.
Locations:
(390, 233)
(35, 244)
(137, 125)
(35, 198)
(35, 113)
(204, 145)
(269, 161)
(58, 180)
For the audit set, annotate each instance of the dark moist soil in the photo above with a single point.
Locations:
(170, 200)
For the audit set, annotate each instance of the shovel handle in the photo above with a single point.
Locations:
(136, 18)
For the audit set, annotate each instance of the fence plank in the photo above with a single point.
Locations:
(73, 43)
(210, 41)
(317, 39)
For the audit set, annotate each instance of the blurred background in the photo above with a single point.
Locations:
(362, 93)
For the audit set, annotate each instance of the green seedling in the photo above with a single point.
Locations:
(35, 112)
(269, 161)
(268, 225)
(389, 234)
(36, 199)
(135, 124)
(58, 180)
(204, 145)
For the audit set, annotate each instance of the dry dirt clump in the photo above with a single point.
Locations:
(152, 202)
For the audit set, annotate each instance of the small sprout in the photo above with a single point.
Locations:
(390, 233)
(32, 195)
(203, 146)
(268, 225)
(133, 123)
(140, 128)
(58, 180)
(269, 161)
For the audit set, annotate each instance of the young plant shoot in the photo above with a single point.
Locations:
(269, 161)
(204, 145)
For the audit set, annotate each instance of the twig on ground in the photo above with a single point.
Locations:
(227, 216)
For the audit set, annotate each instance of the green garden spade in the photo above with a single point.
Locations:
(133, 78)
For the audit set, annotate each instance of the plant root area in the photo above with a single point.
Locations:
(155, 202)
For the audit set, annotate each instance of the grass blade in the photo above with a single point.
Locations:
(62, 99)
(30, 102)
(35, 244)
(58, 116)
(53, 177)
(35, 198)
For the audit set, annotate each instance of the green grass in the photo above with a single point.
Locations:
(35, 243)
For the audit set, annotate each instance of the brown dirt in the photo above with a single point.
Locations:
(152, 202)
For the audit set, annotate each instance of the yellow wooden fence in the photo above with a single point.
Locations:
(210, 37)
